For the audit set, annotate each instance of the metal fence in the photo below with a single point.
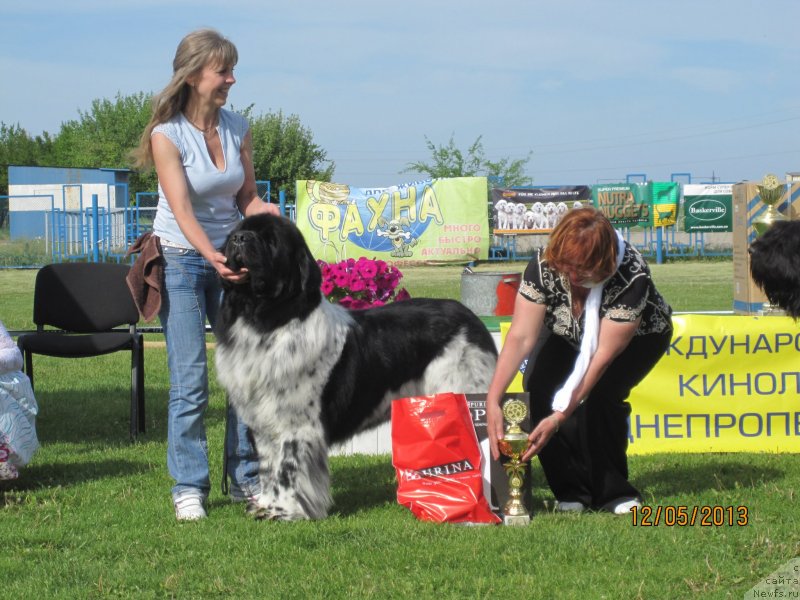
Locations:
(74, 228)
(96, 232)
(656, 243)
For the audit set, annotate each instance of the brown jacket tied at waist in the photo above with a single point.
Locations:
(146, 276)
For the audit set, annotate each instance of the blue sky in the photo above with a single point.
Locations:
(595, 89)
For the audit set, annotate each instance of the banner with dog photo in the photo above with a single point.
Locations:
(535, 210)
(430, 221)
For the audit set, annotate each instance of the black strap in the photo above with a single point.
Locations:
(224, 484)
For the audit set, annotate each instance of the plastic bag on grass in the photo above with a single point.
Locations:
(436, 456)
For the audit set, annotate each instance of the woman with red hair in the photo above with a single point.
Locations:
(592, 323)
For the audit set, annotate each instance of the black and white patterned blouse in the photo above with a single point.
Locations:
(627, 295)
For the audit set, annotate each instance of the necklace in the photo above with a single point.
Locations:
(205, 131)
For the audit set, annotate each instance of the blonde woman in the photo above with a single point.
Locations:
(202, 154)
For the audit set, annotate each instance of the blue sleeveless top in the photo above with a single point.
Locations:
(212, 192)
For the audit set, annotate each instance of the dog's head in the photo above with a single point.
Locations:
(775, 265)
(281, 269)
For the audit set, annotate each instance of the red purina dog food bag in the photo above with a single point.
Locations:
(436, 456)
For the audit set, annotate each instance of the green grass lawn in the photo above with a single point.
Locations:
(687, 286)
(91, 517)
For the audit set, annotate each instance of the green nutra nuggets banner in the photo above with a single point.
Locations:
(625, 204)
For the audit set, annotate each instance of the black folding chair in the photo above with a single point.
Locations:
(84, 302)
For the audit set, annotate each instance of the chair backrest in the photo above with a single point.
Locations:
(83, 297)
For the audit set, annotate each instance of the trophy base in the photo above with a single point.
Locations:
(516, 520)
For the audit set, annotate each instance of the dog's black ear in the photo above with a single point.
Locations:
(775, 265)
(288, 272)
(310, 275)
(307, 275)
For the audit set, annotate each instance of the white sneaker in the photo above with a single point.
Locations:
(189, 507)
(576, 507)
(626, 506)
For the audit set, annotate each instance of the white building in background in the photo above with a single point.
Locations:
(56, 204)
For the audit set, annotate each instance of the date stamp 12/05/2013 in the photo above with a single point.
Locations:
(689, 516)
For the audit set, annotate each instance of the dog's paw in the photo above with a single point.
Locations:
(280, 514)
(275, 513)
(256, 510)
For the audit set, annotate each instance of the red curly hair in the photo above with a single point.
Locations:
(583, 241)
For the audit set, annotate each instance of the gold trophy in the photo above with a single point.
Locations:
(513, 445)
(770, 191)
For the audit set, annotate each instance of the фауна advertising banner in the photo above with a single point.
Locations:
(430, 221)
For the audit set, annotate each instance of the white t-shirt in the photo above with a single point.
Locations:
(212, 192)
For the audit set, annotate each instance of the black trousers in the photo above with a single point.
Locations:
(586, 460)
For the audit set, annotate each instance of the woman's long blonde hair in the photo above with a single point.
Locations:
(195, 51)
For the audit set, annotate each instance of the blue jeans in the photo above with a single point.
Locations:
(192, 292)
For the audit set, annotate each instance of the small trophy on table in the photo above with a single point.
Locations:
(770, 192)
(513, 445)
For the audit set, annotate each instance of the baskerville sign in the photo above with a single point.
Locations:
(708, 207)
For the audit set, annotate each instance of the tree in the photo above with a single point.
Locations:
(104, 136)
(450, 161)
(19, 148)
(284, 151)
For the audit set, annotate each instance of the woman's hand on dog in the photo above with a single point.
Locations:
(218, 260)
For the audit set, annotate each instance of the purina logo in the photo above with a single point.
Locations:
(439, 471)
(707, 210)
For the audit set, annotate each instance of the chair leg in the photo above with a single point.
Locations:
(140, 384)
(137, 387)
(29, 366)
(134, 393)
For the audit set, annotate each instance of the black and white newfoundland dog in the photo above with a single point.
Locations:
(303, 373)
(775, 265)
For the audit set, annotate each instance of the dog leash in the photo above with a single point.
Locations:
(224, 483)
